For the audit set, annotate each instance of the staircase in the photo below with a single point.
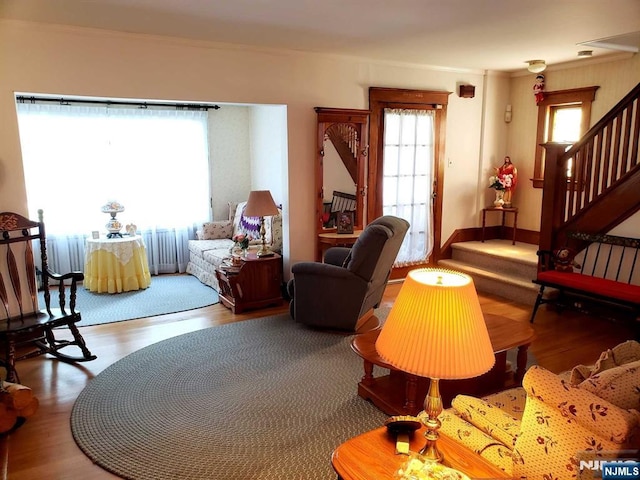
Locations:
(345, 140)
(593, 186)
(498, 267)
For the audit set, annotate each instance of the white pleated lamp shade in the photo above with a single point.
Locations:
(436, 328)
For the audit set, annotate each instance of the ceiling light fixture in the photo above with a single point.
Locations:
(536, 66)
(585, 53)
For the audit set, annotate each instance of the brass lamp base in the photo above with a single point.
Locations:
(263, 251)
(433, 408)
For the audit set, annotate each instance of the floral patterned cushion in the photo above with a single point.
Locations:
(560, 422)
(618, 385)
(511, 401)
(626, 352)
(488, 418)
(455, 427)
(216, 230)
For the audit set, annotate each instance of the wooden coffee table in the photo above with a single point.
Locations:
(400, 393)
(371, 456)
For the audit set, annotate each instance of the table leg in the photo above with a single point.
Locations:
(484, 217)
(504, 214)
(411, 390)
(521, 363)
(367, 379)
(515, 226)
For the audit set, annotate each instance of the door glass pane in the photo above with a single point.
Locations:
(408, 166)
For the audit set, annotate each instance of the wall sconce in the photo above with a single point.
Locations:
(467, 91)
(507, 114)
(536, 66)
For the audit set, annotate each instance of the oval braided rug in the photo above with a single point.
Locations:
(259, 399)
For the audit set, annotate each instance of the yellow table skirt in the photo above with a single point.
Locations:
(104, 273)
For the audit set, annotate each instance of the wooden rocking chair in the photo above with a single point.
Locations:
(27, 330)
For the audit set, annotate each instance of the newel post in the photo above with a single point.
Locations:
(554, 194)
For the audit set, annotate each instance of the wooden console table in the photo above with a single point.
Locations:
(400, 393)
(333, 239)
(254, 283)
(504, 211)
(371, 456)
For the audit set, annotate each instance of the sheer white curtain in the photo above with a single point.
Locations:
(154, 162)
(408, 178)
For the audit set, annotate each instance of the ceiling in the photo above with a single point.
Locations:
(496, 35)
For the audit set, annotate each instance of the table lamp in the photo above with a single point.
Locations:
(436, 329)
(261, 204)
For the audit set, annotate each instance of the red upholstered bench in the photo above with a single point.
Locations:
(607, 271)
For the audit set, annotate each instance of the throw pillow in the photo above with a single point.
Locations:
(488, 418)
(621, 354)
(618, 385)
(216, 230)
(250, 226)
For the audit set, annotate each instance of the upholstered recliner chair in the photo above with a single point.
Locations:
(351, 281)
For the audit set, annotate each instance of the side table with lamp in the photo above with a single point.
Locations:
(260, 204)
(116, 263)
(435, 329)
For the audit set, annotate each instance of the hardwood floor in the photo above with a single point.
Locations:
(43, 446)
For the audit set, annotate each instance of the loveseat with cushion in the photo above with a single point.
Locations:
(554, 426)
(214, 241)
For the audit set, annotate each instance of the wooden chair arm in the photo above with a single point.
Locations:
(546, 259)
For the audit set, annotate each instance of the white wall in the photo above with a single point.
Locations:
(73, 61)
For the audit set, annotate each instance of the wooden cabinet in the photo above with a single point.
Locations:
(254, 283)
(340, 167)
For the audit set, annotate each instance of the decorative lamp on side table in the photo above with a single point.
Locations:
(113, 225)
(436, 329)
(261, 204)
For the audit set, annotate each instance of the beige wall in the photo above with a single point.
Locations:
(69, 61)
(72, 61)
(615, 79)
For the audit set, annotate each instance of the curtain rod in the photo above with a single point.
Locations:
(69, 101)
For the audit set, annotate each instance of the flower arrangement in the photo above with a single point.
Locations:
(241, 240)
(497, 183)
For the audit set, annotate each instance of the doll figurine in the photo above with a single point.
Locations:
(538, 88)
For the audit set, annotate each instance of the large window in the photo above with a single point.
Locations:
(563, 116)
(153, 161)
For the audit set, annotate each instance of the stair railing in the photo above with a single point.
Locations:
(345, 140)
(577, 178)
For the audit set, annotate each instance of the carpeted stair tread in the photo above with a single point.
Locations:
(473, 270)
(519, 253)
(498, 267)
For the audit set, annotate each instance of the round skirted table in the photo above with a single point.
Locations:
(115, 265)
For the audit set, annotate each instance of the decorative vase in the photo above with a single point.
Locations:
(499, 201)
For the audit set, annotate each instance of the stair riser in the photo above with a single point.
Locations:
(495, 264)
(516, 293)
